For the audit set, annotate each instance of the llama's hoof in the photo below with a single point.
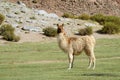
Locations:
(69, 69)
(93, 68)
(88, 67)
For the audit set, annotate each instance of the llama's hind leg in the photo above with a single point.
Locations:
(90, 53)
(91, 61)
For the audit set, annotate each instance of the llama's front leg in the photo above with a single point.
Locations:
(71, 59)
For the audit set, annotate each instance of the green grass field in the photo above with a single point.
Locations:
(45, 61)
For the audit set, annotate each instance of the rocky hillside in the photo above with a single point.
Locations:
(108, 7)
(29, 23)
(19, 15)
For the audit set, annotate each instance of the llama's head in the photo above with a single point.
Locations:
(60, 28)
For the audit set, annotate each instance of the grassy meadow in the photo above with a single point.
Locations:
(45, 61)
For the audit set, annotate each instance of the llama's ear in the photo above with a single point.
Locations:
(62, 24)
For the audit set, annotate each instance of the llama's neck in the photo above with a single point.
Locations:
(63, 41)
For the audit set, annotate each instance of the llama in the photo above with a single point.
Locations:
(75, 45)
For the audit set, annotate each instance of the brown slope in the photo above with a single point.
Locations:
(108, 7)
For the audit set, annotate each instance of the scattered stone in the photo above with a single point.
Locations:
(90, 24)
(29, 28)
(15, 25)
(20, 3)
(52, 15)
(9, 16)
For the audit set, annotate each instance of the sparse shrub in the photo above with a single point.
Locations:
(68, 15)
(110, 28)
(6, 27)
(33, 17)
(2, 17)
(8, 35)
(113, 19)
(49, 31)
(99, 18)
(111, 24)
(102, 19)
(7, 31)
(85, 31)
(16, 38)
(84, 17)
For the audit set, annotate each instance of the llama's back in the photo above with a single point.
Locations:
(88, 40)
(92, 38)
(79, 43)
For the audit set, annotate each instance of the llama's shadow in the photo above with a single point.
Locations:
(102, 74)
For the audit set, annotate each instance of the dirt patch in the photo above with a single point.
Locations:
(37, 37)
(57, 61)
(34, 37)
(39, 62)
(98, 36)
(30, 37)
